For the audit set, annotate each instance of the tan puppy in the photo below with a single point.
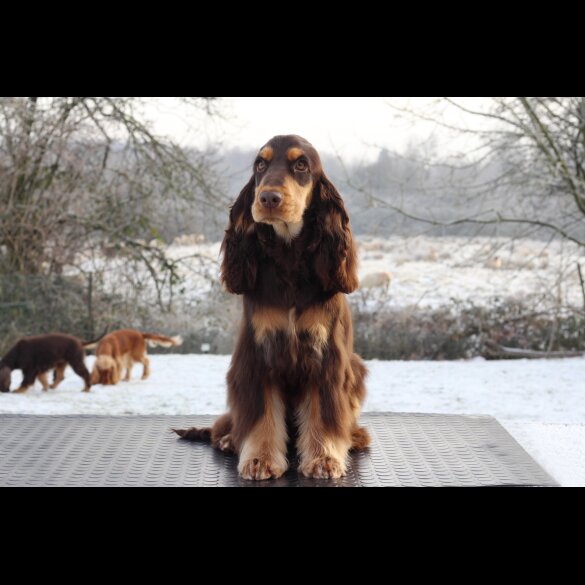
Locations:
(121, 349)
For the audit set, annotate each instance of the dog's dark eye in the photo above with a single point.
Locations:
(260, 166)
(301, 166)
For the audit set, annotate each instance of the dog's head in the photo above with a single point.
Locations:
(289, 189)
(105, 371)
(4, 377)
(284, 176)
(285, 171)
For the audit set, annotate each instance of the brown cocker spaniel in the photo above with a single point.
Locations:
(289, 251)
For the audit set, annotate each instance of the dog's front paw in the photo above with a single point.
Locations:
(323, 468)
(261, 468)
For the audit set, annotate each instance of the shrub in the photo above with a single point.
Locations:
(464, 330)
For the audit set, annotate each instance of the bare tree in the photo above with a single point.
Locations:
(527, 166)
(77, 172)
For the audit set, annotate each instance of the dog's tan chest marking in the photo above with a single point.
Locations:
(314, 321)
(267, 321)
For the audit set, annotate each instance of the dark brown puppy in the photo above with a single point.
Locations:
(289, 250)
(35, 356)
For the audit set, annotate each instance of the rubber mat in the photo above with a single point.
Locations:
(406, 450)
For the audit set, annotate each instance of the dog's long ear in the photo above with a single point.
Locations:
(240, 245)
(335, 259)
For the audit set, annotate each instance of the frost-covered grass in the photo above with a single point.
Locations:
(425, 271)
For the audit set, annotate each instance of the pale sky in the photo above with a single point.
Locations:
(353, 127)
(348, 125)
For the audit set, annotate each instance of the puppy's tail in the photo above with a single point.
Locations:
(153, 340)
(194, 434)
(93, 343)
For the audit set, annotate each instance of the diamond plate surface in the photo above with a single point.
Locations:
(407, 450)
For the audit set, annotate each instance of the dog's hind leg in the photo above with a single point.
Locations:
(360, 438)
(128, 363)
(43, 380)
(58, 374)
(219, 434)
(80, 369)
(221, 437)
(146, 367)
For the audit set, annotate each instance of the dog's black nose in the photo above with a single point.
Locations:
(270, 199)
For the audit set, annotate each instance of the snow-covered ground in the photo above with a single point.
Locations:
(541, 402)
(431, 272)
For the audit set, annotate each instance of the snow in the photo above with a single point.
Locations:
(558, 448)
(532, 390)
(540, 402)
(178, 384)
(425, 271)
(431, 272)
(535, 390)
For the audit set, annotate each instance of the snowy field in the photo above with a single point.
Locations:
(541, 402)
(425, 271)
(431, 272)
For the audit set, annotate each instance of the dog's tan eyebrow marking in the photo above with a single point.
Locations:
(266, 153)
(294, 153)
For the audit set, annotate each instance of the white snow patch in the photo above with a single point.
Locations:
(560, 449)
(536, 390)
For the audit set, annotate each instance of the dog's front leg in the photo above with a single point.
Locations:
(27, 381)
(323, 443)
(58, 375)
(324, 416)
(263, 451)
(43, 380)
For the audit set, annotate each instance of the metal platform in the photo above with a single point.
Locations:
(407, 450)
